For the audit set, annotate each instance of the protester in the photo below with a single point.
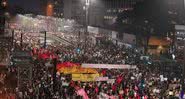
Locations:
(144, 82)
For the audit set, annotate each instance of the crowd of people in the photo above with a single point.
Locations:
(143, 82)
(140, 83)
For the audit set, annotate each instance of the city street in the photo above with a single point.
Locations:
(92, 49)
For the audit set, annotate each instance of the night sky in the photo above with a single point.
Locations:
(31, 5)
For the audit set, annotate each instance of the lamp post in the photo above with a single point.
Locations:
(87, 3)
(45, 39)
(54, 75)
(21, 39)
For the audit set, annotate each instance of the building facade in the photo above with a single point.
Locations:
(2, 16)
(43, 4)
(52, 8)
(176, 10)
(74, 9)
(176, 19)
(100, 12)
(58, 6)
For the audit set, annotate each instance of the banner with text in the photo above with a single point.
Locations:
(84, 77)
(109, 66)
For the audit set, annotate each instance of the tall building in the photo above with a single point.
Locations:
(176, 17)
(75, 9)
(5, 41)
(176, 10)
(101, 13)
(43, 4)
(109, 10)
(2, 15)
(58, 8)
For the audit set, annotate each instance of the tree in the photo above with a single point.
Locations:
(151, 19)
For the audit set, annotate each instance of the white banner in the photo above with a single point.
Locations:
(101, 78)
(114, 34)
(109, 66)
(94, 30)
(179, 27)
(111, 81)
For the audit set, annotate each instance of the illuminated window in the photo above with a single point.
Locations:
(114, 10)
(4, 3)
(56, 2)
(125, 21)
(120, 10)
(106, 17)
(109, 17)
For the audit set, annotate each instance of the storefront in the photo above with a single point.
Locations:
(158, 45)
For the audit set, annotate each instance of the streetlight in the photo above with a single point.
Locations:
(4, 3)
(87, 4)
(49, 10)
(50, 5)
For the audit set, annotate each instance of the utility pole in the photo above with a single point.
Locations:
(45, 39)
(54, 75)
(21, 39)
(12, 38)
(87, 3)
